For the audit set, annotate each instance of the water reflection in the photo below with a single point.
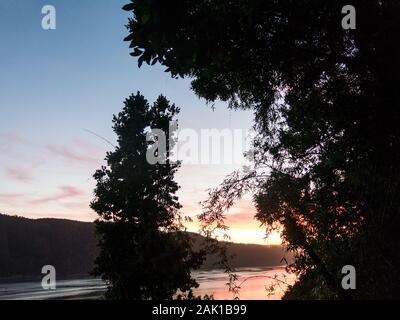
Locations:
(254, 282)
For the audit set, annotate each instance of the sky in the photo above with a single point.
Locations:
(58, 87)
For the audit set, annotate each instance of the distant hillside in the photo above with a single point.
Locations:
(248, 255)
(26, 245)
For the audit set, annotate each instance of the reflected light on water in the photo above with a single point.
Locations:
(254, 283)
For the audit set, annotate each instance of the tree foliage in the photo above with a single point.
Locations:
(143, 253)
(325, 102)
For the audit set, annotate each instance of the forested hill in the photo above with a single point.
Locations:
(26, 245)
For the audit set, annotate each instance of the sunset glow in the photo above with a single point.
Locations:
(51, 146)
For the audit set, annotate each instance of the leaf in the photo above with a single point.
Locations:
(129, 38)
(140, 61)
(128, 7)
(136, 52)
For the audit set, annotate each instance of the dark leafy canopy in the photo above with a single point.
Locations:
(143, 254)
(326, 109)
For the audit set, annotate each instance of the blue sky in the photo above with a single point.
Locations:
(55, 84)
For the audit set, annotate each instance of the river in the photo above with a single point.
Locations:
(253, 282)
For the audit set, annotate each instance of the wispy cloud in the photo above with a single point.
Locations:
(11, 196)
(76, 150)
(66, 192)
(240, 217)
(8, 140)
(20, 173)
(10, 136)
(11, 199)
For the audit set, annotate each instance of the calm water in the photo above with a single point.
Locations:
(254, 283)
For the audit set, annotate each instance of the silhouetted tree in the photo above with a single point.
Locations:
(326, 105)
(143, 254)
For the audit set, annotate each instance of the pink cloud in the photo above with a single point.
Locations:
(10, 196)
(11, 199)
(21, 173)
(67, 192)
(11, 137)
(77, 150)
(8, 140)
(240, 217)
(69, 153)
